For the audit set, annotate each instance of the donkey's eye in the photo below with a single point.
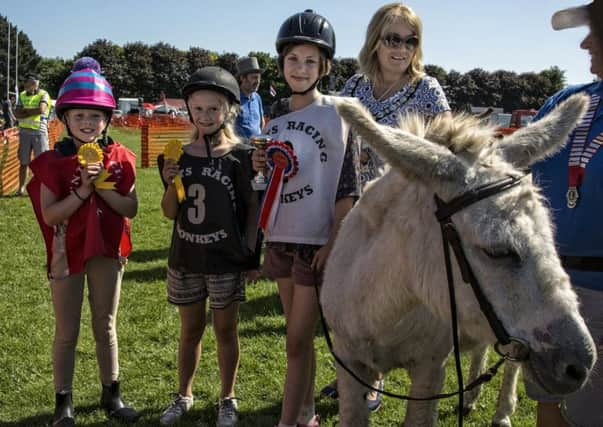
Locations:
(502, 254)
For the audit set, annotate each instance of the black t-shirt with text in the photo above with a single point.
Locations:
(208, 235)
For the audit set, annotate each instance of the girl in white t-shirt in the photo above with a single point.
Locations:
(312, 203)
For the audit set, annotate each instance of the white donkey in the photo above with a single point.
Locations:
(385, 291)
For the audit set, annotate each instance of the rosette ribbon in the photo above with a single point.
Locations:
(92, 153)
(283, 162)
(172, 151)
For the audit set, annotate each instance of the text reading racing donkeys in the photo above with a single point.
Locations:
(309, 130)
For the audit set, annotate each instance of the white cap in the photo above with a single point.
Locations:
(570, 18)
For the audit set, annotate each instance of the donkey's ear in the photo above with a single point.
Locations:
(409, 154)
(544, 138)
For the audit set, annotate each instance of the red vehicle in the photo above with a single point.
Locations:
(519, 119)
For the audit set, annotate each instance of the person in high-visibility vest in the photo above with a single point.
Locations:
(32, 112)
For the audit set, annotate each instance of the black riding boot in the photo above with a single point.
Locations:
(63, 411)
(114, 407)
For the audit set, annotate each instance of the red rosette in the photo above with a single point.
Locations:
(283, 162)
(281, 154)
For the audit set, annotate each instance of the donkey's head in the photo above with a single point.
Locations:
(507, 237)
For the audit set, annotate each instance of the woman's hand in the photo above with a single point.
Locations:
(320, 257)
(170, 170)
(258, 160)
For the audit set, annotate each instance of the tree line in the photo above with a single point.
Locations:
(141, 70)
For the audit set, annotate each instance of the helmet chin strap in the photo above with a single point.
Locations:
(208, 138)
(311, 88)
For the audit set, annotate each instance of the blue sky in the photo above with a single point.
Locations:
(513, 35)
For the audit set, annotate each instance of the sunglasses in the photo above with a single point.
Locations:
(395, 41)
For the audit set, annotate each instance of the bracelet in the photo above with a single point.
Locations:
(77, 195)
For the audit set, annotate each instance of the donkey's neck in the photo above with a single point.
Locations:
(400, 216)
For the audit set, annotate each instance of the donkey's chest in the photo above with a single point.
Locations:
(417, 337)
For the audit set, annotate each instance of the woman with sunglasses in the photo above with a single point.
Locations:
(391, 83)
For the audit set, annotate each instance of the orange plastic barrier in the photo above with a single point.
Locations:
(9, 164)
(136, 120)
(154, 137)
(55, 129)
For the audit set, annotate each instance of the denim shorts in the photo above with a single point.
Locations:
(31, 140)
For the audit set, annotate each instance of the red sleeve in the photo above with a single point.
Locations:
(48, 167)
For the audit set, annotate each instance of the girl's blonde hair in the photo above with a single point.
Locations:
(231, 111)
(380, 23)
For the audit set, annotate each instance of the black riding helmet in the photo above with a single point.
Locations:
(216, 79)
(307, 27)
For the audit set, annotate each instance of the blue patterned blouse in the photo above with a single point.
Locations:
(424, 96)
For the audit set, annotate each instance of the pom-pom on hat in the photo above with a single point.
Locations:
(85, 88)
(86, 62)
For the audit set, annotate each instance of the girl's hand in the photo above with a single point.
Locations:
(258, 160)
(320, 257)
(253, 275)
(89, 174)
(170, 170)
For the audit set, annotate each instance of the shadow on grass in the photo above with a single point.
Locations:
(146, 255)
(146, 275)
(81, 412)
(262, 330)
(264, 305)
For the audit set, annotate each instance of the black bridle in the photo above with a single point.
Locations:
(509, 348)
(518, 349)
(450, 237)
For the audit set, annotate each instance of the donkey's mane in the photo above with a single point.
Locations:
(458, 132)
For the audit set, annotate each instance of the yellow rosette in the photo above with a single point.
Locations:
(89, 153)
(92, 153)
(172, 151)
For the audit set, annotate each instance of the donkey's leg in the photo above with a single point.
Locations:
(352, 406)
(479, 357)
(507, 397)
(426, 380)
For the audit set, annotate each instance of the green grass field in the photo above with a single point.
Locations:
(148, 334)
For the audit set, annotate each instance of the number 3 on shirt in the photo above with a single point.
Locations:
(196, 214)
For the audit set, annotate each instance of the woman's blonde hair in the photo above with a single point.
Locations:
(231, 111)
(380, 23)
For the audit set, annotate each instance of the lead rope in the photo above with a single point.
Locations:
(483, 378)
